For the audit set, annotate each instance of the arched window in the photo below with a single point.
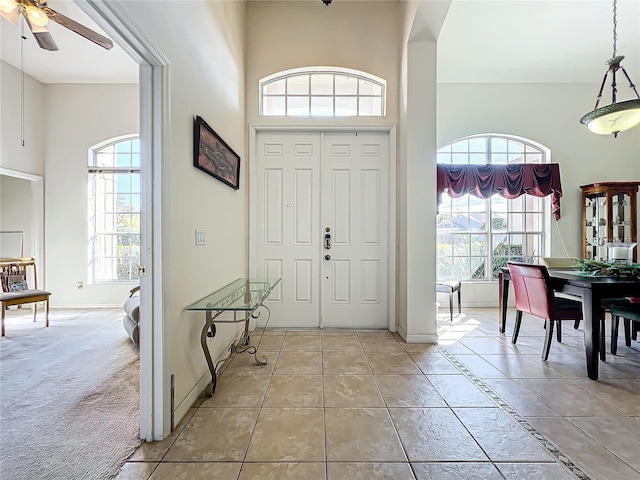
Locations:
(322, 92)
(114, 210)
(476, 237)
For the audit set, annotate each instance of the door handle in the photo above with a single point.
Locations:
(327, 257)
(327, 241)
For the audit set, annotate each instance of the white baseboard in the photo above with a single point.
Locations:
(400, 331)
(422, 339)
(182, 409)
(416, 338)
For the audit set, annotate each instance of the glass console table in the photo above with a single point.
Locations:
(243, 296)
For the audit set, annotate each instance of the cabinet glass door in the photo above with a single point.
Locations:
(622, 218)
(596, 219)
(609, 213)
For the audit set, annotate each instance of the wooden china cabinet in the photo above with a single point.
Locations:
(609, 214)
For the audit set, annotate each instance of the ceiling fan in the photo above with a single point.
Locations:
(37, 14)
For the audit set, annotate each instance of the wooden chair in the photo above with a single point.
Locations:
(535, 296)
(14, 276)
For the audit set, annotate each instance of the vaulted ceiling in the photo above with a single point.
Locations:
(487, 41)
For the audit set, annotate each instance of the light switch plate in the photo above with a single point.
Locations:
(201, 238)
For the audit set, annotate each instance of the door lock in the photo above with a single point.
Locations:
(327, 257)
(327, 241)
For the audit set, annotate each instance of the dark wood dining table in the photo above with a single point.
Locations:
(591, 290)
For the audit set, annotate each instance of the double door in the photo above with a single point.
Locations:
(321, 222)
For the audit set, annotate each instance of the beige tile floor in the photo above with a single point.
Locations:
(333, 405)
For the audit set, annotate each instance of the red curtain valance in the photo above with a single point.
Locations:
(510, 181)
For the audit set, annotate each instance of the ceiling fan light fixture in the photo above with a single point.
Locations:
(36, 16)
(8, 6)
(618, 116)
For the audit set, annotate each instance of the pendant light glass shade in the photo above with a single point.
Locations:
(613, 118)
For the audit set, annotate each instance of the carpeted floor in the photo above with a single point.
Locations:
(69, 395)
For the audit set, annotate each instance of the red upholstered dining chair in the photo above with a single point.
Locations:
(534, 295)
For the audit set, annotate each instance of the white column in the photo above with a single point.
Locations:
(421, 325)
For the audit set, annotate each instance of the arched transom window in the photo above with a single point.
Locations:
(322, 92)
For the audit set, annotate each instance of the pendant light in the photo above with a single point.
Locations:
(618, 116)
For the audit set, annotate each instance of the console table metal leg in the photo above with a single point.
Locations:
(247, 338)
(209, 325)
(256, 315)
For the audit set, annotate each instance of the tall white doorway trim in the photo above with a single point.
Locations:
(37, 218)
(254, 214)
(154, 134)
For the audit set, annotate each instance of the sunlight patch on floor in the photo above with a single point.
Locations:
(451, 332)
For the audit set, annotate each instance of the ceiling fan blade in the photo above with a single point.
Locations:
(80, 29)
(42, 36)
(12, 17)
(45, 40)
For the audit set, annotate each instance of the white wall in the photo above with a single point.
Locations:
(548, 114)
(78, 117)
(204, 44)
(25, 160)
(16, 210)
(361, 35)
(30, 157)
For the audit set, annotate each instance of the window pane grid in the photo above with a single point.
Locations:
(114, 212)
(468, 246)
(306, 94)
(315, 95)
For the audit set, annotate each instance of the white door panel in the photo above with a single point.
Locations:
(301, 189)
(354, 198)
(287, 225)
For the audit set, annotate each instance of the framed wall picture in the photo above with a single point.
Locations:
(211, 154)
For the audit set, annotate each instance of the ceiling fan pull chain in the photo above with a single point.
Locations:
(22, 40)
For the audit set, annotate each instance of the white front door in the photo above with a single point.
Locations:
(310, 185)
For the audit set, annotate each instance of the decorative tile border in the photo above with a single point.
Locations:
(553, 450)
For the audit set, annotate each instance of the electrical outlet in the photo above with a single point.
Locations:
(80, 285)
(201, 238)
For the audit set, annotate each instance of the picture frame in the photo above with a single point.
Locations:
(212, 155)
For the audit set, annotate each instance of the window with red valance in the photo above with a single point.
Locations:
(495, 196)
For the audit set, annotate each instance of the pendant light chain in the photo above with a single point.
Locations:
(615, 25)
